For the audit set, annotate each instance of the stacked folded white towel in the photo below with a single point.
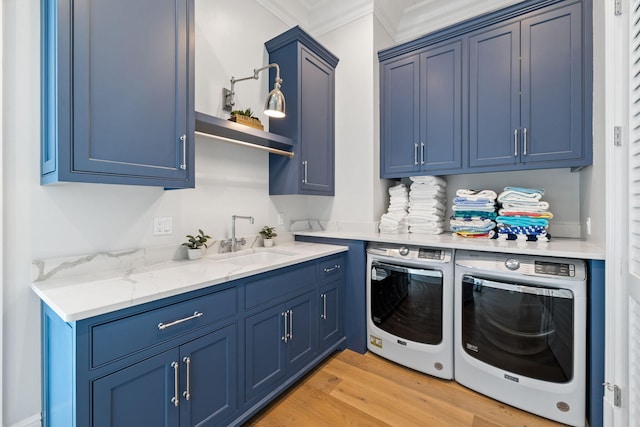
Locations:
(427, 204)
(395, 220)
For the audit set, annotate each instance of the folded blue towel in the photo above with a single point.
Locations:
(529, 231)
(521, 221)
(526, 190)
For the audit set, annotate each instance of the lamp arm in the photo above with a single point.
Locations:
(255, 75)
(229, 95)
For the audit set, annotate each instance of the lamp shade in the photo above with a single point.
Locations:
(275, 105)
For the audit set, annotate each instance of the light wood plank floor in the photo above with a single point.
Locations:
(350, 389)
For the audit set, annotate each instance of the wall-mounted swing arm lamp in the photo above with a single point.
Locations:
(273, 107)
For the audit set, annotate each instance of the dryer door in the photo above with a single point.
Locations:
(521, 328)
(407, 302)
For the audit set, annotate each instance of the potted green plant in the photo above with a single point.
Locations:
(195, 244)
(268, 233)
(246, 117)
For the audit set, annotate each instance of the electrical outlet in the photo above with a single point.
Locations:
(588, 223)
(280, 219)
(163, 226)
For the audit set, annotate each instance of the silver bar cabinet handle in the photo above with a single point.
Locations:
(329, 270)
(422, 153)
(524, 135)
(175, 399)
(305, 166)
(415, 154)
(183, 139)
(324, 306)
(285, 337)
(187, 392)
(515, 143)
(290, 324)
(195, 315)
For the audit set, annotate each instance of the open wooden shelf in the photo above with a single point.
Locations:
(216, 126)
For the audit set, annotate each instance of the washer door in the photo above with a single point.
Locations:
(407, 302)
(521, 328)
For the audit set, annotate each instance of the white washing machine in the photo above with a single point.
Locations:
(520, 334)
(410, 306)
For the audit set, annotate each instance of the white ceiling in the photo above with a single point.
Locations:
(403, 19)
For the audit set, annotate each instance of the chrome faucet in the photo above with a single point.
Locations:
(234, 241)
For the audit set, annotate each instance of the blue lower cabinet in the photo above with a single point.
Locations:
(264, 336)
(280, 340)
(195, 384)
(159, 365)
(209, 392)
(331, 317)
(138, 395)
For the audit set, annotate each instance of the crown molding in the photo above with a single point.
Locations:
(432, 15)
(402, 19)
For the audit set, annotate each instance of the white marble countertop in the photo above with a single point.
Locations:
(88, 294)
(558, 247)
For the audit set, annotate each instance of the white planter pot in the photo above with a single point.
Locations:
(194, 253)
(267, 243)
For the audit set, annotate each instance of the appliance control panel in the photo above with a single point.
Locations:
(417, 253)
(560, 268)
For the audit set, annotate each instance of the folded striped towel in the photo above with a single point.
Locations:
(527, 206)
(518, 212)
(475, 194)
(458, 208)
(510, 195)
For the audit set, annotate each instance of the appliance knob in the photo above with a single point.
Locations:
(512, 264)
(404, 251)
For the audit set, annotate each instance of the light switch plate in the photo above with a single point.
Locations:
(163, 226)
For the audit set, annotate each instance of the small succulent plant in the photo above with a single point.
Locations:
(268, 232)
(197, 241)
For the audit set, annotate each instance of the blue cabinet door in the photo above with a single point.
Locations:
(301, 344)
(441, 107)
(210, 377)
(265, 362)
(494, 96)
(140, 395)
(121, 110)
(400, 111)
(552, 99)
(331, 318)
(316, 124)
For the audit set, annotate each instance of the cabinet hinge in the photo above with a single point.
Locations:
(618, 7)
(617, 136)
(617, 393)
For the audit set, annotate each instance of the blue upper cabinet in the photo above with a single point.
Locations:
(118, 92)
(400, 109)
(441, 107)
(308, 73)
(525, 97)
(422, 112)
(552, 88)
(510, 90)
(494, 96)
